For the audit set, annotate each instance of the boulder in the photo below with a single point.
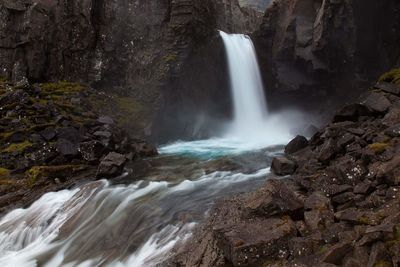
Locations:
(144, 149)
(268, 239)
(392, 117)
(112, 165)
(350, 113)
(48, 134)
(328, 151)
(393, 131)
(336, 253)
(390, 171)
(298, 143)
(274, 198)
(17, 96)
(377, 102)
(388, 87)
(91, 151)
(66, 147)
(283, 166)
(105, 120)
(69, 133)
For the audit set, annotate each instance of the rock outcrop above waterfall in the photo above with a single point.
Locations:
(141, 49)
(315, 51)
(53, 135)
(340, 206)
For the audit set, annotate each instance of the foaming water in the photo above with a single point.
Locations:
(100, 224)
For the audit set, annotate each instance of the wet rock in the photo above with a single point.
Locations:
(392, 117)
(48, 134)
(274, 198)
(363, 187)
(17, 137)
(283, 166)
(328, 150)
(345, 140)
(356, 216)
(66, 147)
(268, 239)
(298, 143)
(144, 149)
(350, 113)
(378, 256)
(377, 103)
(105, 120)
(91, 151)
(356, 131)
(390, 171)
(317, 200)
(17, 96)
(303, 246)
(388, 87)
(69, 133)
(111, 166)
(393, 131)
(343, 198)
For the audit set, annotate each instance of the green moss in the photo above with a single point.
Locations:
(4, 172)
(6, 182)
(3, 79)
(378, 147)
(392, 76)
(129, 108)
(363, 220)
(17, 147)
(171, 58)
(38, 172)
(61, 88)
(6, 136)
(397, 232)
(382, 264)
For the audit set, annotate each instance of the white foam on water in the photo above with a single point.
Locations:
(31, 237)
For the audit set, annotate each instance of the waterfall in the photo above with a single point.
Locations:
(250, 108)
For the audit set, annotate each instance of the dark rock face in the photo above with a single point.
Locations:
(138, 48)
(312, 50)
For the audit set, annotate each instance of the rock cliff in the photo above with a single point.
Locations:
(137, 48)
(324, 49)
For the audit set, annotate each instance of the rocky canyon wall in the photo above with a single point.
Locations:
(323, 51)
(138, 48)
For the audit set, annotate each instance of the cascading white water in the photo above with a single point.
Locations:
(250, 108)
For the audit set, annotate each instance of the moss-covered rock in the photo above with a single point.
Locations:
(378, 148)
(64, 171)
(4, 173)
(61, 88)
(392, 76)
(17, 147)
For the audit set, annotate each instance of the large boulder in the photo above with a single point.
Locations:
(266, 240)
(350, 113)
(274, 198)
(328, 150)
(389, 87)
(298, 143)
(377, 102)
(283, 166)
(111, 166)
